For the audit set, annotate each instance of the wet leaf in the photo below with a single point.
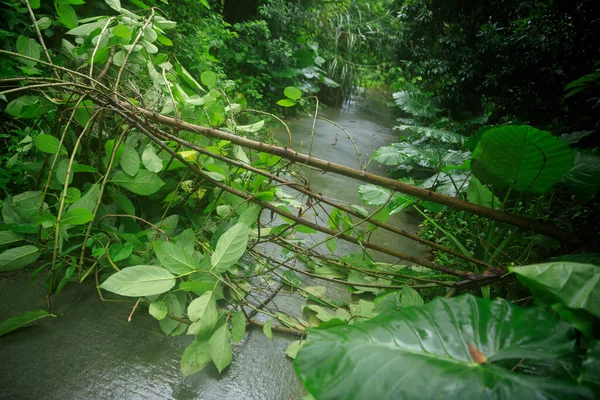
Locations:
(140, 280)
(231, 246)
(21, 320)
(396, 354)
(220, 348)
(18, 257)
(238, 327)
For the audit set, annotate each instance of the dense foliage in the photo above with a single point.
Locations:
(136, 155)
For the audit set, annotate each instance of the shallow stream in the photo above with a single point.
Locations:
(92, 352)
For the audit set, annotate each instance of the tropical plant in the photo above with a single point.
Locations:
(472, 347)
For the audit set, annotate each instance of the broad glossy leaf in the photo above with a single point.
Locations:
(28, 47)
(66, 14)
(195, 357)
(140, 280)
(220, 347)
(477, 193)
(18, 257)
(286, 103)
(174, 258)
(238, 327)
(591, 365)
(231, 246)
(77, 216)
(373, 195)
(530, 159)
(423, 352)
(151, 161)
(158, 309)
(123, 203)
(438, 135)
(114, 4)
(130, 160)
(19, 321)
(88, 200)
(203, 309)
(292, 93)
(209, 79)
(417, 104)
(575, 285)
(410, 297)
(86, 29)
(9, 237)
(48, 144)
(143, 183)
(584, 178)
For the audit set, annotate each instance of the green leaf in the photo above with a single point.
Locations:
(373, 195)
(423, 352)
(151, 161)
(238, 327)
(173, 258)
(35, 4)
(231, 246)
(9, 237)
(292, 93)
(530, 159)
(195, 357)
(140, 280)
(130, 160)
(203, 312)
(286, 103)
(89, 199)
(255, 127)
(66, 14)
(61, 172)
(143, 183)
(417, 104)
(28, 47)
(209, 79)
(591, 364)
(575, 285)
(267, 329)
(21, 320)
(48, 144)
(410, 297)
(122, 31)
(292, 349)
(119, 252)
(114, 4)
(158, 309)
(123, 203)
(186, 240)
(220, 348)
(77, 216)
(18, 257)
(584, 178)
(86, 29)
(481, 195)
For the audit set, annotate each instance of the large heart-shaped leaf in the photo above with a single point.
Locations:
(584, 178)
(575, 285)
(140, 280)
(423, 352)
(530, 159)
